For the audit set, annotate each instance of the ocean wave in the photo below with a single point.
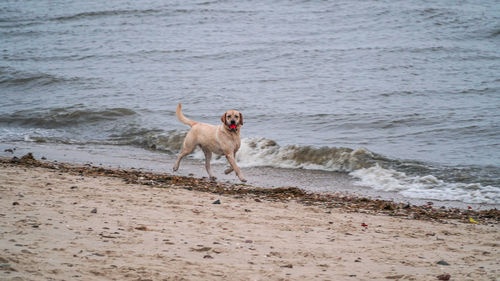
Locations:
(95, 14)
(62, 117)
(170, 142)
(425, 186)
(494, 33)
(16, 23)
(40, 79)
(265, 152)
(13, 78)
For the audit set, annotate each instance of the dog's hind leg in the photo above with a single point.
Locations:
(187, 148)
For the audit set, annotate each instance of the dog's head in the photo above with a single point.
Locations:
(232, 119)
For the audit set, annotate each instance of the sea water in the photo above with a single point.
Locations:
(396, 96)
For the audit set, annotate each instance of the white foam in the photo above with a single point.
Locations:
(425, 187)
(265, 152)
(27, 138)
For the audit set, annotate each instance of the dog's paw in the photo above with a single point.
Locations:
(243, 179)
(212, 178)
(228, 171)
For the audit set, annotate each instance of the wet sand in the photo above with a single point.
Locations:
(65, 222)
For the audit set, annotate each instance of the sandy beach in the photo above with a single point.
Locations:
(70, 224)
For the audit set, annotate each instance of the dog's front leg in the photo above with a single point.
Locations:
(230, 169)
(232, 162)
(208, 157)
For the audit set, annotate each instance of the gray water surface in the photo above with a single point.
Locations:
(416, 84)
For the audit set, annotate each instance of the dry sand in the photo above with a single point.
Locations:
(57, 225)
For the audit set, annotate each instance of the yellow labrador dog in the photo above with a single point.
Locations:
(222, 140)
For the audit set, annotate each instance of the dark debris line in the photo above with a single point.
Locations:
(348, 203)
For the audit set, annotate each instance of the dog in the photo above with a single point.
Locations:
(223, 139)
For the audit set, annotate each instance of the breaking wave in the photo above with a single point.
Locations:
(10, 77)
(265, 152)
(170, 142)
(425, 186)
(106, 13)
(411, 179)
(62, 117)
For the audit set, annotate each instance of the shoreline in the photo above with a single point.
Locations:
(284, 194)
(91, 223)
(127, 157)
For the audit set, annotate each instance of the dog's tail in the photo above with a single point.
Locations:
(183, 118)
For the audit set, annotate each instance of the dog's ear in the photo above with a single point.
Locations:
(241, 118)
(223, 118)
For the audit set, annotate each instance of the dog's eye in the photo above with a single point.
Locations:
(229, 116)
